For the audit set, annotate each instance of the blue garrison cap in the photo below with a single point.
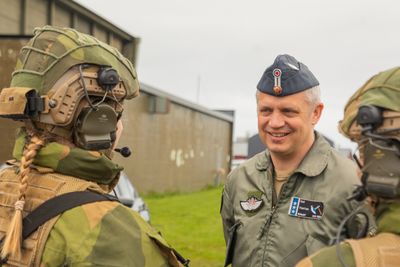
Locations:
(286, 76)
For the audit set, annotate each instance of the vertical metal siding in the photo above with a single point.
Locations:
(83, 25)
(10, 14)
(62, 17)
(36, 10)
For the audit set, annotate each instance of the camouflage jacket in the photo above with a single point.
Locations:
(103, 234)
(381, 250)
(262, 229)
(97, 234)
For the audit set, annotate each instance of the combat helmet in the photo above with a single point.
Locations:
(71, 85)
(372, 119)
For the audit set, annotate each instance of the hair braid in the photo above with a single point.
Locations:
(12, 242)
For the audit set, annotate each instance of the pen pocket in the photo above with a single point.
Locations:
(230, 246)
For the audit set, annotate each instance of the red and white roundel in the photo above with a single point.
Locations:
(277, 73)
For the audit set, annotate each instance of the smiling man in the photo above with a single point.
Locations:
(287, 202)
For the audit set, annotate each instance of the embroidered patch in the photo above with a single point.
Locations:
(308, 209)
(252, 204)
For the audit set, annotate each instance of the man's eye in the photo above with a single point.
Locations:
(290, 112)
(265, 112)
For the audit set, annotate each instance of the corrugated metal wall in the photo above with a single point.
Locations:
(180, 147)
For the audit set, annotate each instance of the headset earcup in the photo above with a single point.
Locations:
(95, 128)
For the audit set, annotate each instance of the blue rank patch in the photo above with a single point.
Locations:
(308, 209)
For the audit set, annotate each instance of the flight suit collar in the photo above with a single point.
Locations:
(313, 163)
(317, 157)
(263, 161)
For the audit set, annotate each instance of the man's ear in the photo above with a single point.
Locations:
(316, 114)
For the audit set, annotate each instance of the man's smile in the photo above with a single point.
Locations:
(278, 134)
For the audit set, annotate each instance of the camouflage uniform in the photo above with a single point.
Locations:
(380, 250)
(383, 91)
(98, 234)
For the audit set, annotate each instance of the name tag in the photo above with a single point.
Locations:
(308, 209)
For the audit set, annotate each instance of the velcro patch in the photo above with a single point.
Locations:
(308, 209)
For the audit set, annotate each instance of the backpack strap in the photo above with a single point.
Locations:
(357, 252)
(57, 205)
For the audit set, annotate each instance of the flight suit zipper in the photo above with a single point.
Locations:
(275, 200)
(265, 228)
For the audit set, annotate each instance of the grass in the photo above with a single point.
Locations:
(192, 225)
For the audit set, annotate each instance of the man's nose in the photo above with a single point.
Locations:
(276, 120)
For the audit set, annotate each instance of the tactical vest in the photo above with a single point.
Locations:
(43, 184)
(382, 250)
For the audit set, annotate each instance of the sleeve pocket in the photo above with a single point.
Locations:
(165, 249)
(230, 245)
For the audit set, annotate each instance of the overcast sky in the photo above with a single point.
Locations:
(225, 45)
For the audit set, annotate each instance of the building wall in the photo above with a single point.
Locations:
(10, 14)
(9, 50)
(182, 150)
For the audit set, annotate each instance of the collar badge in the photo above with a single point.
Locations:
(277, 81)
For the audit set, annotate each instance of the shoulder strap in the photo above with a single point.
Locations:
(357, 252)
(57, 205)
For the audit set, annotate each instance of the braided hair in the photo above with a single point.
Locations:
(13, 237)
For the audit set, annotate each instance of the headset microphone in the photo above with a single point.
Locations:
(124, 151)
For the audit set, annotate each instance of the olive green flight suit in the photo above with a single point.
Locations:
(268, 235)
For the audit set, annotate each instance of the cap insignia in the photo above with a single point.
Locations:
(277, 81)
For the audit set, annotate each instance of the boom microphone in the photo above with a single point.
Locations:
(124, 151)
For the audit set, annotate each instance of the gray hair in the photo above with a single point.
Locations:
(313, 95)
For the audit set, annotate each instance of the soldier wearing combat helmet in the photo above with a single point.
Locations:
(69, 89)
(372, 119)
(287, 202)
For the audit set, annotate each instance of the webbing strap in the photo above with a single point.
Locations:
(357, 252)
(57, 205)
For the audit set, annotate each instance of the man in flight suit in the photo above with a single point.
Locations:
(286, 202)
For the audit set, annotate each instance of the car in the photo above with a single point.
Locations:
(126, 194)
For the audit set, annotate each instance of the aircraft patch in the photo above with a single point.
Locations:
(308, 209)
